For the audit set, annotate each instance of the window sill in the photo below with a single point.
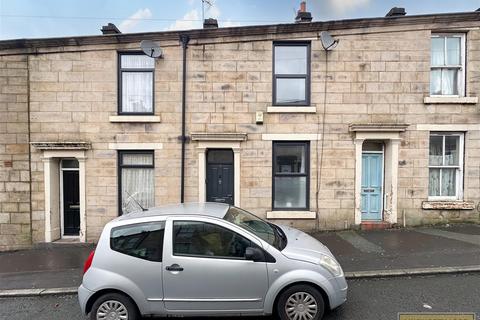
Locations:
(134, 118)
(448, 205)
(291, 110)
(450, 100)
(291, 215)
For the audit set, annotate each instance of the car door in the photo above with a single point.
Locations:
(205, 268)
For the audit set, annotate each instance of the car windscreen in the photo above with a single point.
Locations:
(255, 225)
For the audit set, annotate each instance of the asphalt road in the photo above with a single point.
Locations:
(368, 299)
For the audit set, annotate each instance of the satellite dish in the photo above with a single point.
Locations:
(151, 49)
(327, 40)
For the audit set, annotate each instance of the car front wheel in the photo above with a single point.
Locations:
(114, 306)
(300, 302)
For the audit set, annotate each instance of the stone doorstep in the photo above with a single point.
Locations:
(375, 225)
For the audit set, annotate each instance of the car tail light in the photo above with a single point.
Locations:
(88, 262)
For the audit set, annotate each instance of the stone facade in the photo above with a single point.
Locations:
(378, 74)
(15, 219)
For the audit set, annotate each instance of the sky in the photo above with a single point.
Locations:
(59, 18)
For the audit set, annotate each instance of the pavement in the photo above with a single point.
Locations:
(57, 268)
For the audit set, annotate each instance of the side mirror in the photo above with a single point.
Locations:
(254, 254)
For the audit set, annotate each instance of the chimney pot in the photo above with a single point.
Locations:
(303, 6)
(110, 29)
(396, 12)
(302, 14)
(210, 23)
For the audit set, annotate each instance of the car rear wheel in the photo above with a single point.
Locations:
(300, 302)
(114, 306)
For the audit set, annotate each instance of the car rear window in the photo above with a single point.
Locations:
(142, 240)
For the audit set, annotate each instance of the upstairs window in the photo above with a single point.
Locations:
(445, 166)
(291, 73)
(136, 81)
(447, 67)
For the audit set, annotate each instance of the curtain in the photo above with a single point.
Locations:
(436, 151)
(137, 159)
(449, 81)
(137, 183)
(137, 91)
(434, 183)
(137, 186)
(448, 182)
(453, 51)
(437, 54)
(451, 150)
(137, 61)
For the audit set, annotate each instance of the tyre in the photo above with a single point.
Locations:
(300, 302)
(114, 306)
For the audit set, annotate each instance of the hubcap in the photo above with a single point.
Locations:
(301, 306)
(112, 310)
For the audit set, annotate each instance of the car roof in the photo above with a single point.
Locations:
(212, 209)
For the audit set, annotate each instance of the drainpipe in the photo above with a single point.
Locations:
(184, 38)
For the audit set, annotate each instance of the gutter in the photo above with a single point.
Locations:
(184, 39)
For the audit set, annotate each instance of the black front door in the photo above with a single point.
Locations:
(220, 176)
(71, 203)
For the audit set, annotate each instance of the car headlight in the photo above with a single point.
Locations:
(331, 265)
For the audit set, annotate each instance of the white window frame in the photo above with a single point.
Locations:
(461, 75)
(459, 167)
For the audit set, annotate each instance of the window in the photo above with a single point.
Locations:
(445, 166)
(144, 241)
(136, 174)
(196, 238)
(291, 73)
(447, 71)
(136, 82)
(291, 175)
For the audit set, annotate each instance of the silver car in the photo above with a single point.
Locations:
(208, 259)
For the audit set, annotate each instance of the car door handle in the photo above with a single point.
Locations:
(174, 267)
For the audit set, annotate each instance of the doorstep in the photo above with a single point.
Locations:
(375, 225)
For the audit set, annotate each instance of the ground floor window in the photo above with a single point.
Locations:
(291, 175)
(136, 180)
(445, 166)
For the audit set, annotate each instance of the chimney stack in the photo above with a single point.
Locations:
(396, 12)
(210, 23)
(110, 29)
(302, 14)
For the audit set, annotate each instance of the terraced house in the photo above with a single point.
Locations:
(377, 126)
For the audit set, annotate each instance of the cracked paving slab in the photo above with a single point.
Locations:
(469, 238)
(360, 242)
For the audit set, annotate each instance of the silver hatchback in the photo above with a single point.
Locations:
(208, 259)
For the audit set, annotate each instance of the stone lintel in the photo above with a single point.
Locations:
(66, 145)
(384, 127)
(227, 136)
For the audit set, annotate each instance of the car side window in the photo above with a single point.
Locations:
(196, 238)
(142, 240)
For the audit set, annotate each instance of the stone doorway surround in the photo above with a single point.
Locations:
(52, 153)
(389, 133)
(218, 141)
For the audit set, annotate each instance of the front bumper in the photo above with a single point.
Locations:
(339, 294)
(83, 295)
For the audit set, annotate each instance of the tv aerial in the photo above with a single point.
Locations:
(151, 49)
(328, 42)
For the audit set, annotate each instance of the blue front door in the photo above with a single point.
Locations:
(372, 183)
